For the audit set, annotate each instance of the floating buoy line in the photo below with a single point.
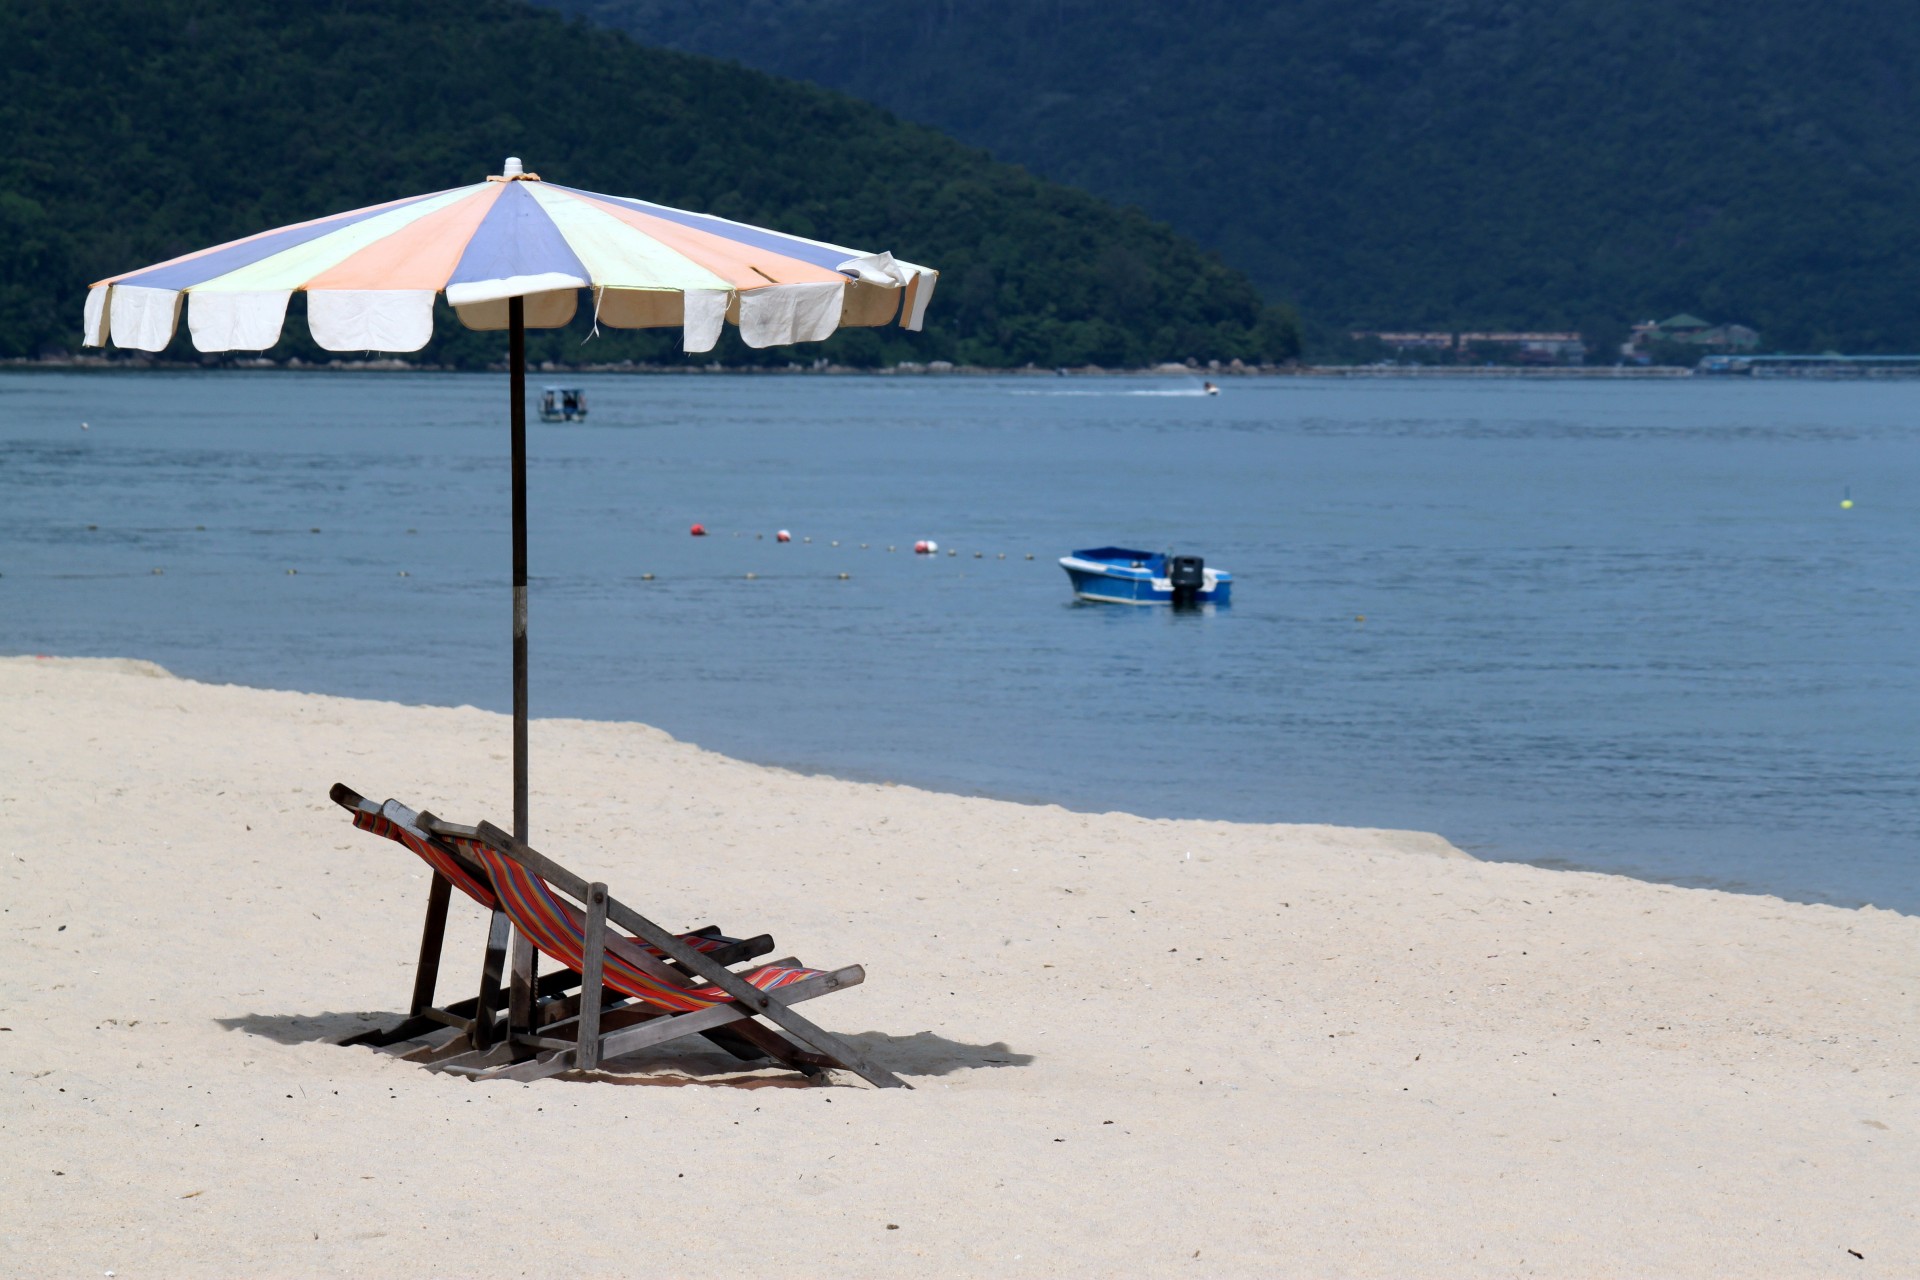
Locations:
(921, 547)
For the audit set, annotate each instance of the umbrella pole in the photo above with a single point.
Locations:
(517, 362)
(525, 963)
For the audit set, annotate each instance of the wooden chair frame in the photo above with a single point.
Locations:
(606, 1028)
(478, 1019)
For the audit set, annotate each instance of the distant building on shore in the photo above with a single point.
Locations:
(1481, 347)
(1435, 342)
(1528, 348)
(1649, 337)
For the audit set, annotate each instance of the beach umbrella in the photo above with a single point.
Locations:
(511, 253)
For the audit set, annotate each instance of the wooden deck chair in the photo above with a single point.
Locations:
(477, 1018)
(659, 1001)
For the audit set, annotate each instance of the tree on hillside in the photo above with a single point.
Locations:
(1475, 164)
(148, 128)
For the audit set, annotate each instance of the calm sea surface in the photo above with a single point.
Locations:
(1621, 626)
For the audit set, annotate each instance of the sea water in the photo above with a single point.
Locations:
(1626, 626)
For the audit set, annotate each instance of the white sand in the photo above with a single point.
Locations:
(1322, 1051)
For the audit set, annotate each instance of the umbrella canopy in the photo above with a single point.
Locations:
(371, 275)
(512, 252)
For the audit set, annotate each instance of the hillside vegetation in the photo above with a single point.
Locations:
(1467, 163)
(140, 129)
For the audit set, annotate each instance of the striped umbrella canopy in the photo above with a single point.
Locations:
(371, 274)
(510, 253)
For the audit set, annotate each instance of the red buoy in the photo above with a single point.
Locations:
(783, 536)
(698, 531)
(925, 547)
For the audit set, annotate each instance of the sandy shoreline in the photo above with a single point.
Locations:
(1322, 1051)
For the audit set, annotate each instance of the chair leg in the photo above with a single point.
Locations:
(432, 934)
(592, 969)
(520, 989)
(487, 1005)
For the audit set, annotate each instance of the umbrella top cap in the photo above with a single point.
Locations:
(512, 172)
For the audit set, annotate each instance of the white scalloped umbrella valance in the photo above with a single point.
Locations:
(370, 275)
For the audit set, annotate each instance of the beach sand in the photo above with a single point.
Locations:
(1138, 1047)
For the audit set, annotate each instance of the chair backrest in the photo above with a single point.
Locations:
(396, 822)
(559, 930)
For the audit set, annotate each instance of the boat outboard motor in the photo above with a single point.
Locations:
(1187, 575)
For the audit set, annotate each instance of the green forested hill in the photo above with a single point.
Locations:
(1431, 162)
(139, 129)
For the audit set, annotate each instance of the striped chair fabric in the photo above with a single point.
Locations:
(432, 854)
(477, 888)
(559, 930)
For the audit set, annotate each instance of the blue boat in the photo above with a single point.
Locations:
(1121, 575)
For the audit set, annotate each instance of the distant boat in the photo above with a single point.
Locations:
(563, 404)
(1210, 389)
(1121, 575)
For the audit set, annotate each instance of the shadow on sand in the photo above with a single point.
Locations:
(680, 1063)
